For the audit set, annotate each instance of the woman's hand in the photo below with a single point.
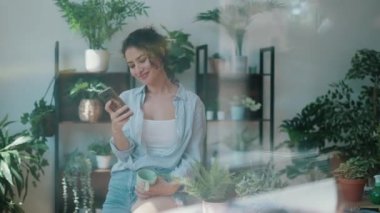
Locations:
(118, 117)
(160, 188)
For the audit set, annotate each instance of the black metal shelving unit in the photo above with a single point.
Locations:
(67, 111)
(208, 86)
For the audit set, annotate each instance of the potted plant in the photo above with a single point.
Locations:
(22, 161)
(86, 92)
(102, 150)
(240, 103)
(241, 140)
(42, 119)
(181, 51)
(212, 185)
(344, 119)
(352, 176)
(217, 63)
(252, 182)
(97, 21)
(77, 180)
(235, 17)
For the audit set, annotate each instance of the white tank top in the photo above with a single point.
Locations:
(159, 136)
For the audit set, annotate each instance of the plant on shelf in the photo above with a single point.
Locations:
(217, 63)
(77, 180)
(346, 117)
(240, 103)
(42, 118)
(236, 16)
(352, 175)
(21, 162)
(83, 89)
(102, 150)
(213, 184)
(181, 51)
(242, 140)
(251, 182)
(98, 20)
(86, 92)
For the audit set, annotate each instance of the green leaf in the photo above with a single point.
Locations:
(6, 172)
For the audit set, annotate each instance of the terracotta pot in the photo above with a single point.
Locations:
(351, 190)
(90, 110)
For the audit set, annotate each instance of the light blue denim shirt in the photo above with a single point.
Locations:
(190, 128)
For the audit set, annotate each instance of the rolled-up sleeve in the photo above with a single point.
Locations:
(122, 155)
(194, 149)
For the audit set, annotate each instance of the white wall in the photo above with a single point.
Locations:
(307, 60)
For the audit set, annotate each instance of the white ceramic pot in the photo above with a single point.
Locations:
(103, 161)
(97, 60)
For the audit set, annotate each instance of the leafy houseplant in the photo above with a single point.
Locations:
(181, 51)
(236, 17)
(21, 160)
(97, 21)
(344, 119)
(255, 182)
(103, 153)
(77, 179)
(212, 184)
(42, 119)
(82, 89)
(100, 148)
(90, 107)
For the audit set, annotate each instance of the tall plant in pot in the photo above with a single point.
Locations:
(235, 17)
(86, 93)
(97, 21)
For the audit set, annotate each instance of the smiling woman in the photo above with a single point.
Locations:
(155, 129)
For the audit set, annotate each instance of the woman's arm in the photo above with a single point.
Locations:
(120, 144)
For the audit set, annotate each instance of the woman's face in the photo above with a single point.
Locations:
(141, 66)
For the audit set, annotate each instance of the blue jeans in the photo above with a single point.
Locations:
(121, 190)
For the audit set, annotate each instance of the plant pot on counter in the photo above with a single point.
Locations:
(351, 190)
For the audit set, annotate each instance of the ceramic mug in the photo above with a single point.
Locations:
(146, 178)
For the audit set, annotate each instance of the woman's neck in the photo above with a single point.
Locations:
(162, 86)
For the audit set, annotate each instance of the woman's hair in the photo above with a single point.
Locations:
(149, 40)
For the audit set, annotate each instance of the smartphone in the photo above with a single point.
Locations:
(110, 94)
